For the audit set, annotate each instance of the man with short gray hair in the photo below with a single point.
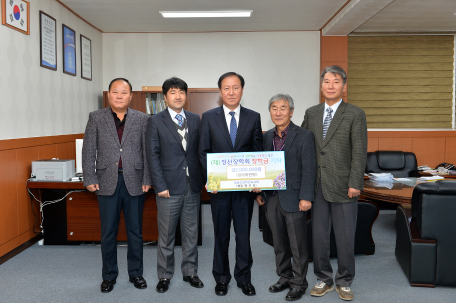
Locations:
(286, 210)
(340, 132)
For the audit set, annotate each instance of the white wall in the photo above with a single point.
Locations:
(36, 101)
(270, 62)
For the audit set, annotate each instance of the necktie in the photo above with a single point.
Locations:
(327, 121)
(180, 120)
(233, 128)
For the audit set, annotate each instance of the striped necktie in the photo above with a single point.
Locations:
(180, 120)
(327, 121)
(233, 128)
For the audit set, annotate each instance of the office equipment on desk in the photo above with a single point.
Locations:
(52, 170)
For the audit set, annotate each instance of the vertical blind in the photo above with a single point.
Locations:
(402, 81)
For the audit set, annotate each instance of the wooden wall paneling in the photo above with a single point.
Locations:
(66, 150)
(8, 193)
(47, 151)
(25, 215)
(450, 150)
(334, 48)
(372, 144)
(401, 144)
(429, 151)
(37, 141)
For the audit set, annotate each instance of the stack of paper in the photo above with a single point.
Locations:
(381, 177)
(432, 178)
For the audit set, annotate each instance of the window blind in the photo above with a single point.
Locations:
(402, 81)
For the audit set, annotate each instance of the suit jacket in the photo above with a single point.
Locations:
(166, 155)
(300, 166)
(102, 145)
(341, 157)
(215, 137)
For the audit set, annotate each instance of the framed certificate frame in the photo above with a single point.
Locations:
(16, 15)
(69, 50)
(48, 41)
(245, 171)
(86, 58)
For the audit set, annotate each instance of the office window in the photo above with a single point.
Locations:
(402, 81)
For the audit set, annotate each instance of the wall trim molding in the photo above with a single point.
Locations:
(37, 141)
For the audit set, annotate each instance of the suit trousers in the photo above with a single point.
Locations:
(239, 207)
(289, 232)
(110, 208)
(342, 217)
(184, 207)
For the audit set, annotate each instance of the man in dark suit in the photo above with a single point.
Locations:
(231, 128)
(286, 210)
(172, 139)
(340, 132)
(115, 168)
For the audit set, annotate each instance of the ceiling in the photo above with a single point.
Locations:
(345, 16)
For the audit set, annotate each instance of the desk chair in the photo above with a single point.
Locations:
(426, 237)
(399, 164)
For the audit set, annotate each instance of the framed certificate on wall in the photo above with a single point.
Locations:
(16, 15)
(69, 50)
(86, 58)
(48, 41)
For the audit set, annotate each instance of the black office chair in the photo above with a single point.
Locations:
(399, 164)
(426, 235)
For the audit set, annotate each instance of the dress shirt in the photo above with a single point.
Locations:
(227, 111)
(334, 107)
(120, 125)
(173, 115)
(279, 142)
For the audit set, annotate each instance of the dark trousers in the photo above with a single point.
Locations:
(239, 206)
(342, 217)
(289, 232)
(132, 207)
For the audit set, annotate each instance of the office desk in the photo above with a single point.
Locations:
(77, 219)
(395, 192)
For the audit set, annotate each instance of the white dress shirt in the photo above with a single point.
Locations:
(173, 115)
(227, 111)
(334, 107)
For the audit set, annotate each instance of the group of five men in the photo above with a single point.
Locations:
(125, 152)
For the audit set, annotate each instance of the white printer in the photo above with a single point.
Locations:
(52, 170)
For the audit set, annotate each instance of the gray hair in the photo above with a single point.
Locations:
(334, 69)
(284, 97)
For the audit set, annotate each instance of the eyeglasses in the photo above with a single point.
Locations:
(282, 110)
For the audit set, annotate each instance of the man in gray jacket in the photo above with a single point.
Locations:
(286, 210)
(340, 132)
(115, 168)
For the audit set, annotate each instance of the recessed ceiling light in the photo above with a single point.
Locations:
(205, 14)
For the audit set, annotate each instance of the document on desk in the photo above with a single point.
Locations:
(401, 179)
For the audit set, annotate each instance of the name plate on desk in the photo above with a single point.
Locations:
(245, 171)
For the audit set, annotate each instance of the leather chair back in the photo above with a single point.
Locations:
(399, 164)
(434, 208)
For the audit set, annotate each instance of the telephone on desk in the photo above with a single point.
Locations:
(448, 166)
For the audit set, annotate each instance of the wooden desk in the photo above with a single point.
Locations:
(400, 191)
(77, 219)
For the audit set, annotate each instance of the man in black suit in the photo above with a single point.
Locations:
(231, 128)
(172, 139)
(115, 168)
(286, 210)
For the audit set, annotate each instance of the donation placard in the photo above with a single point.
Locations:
(245, 171)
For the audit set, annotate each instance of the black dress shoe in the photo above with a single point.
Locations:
(247, 289)
(294, 294)
(107, 285)
(278, 287)
(139, 282)
(163, 285)
(194, 281)
(221, 289)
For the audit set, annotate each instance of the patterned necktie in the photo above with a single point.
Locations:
(180, 120)
(327, 121)
(233, 128)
